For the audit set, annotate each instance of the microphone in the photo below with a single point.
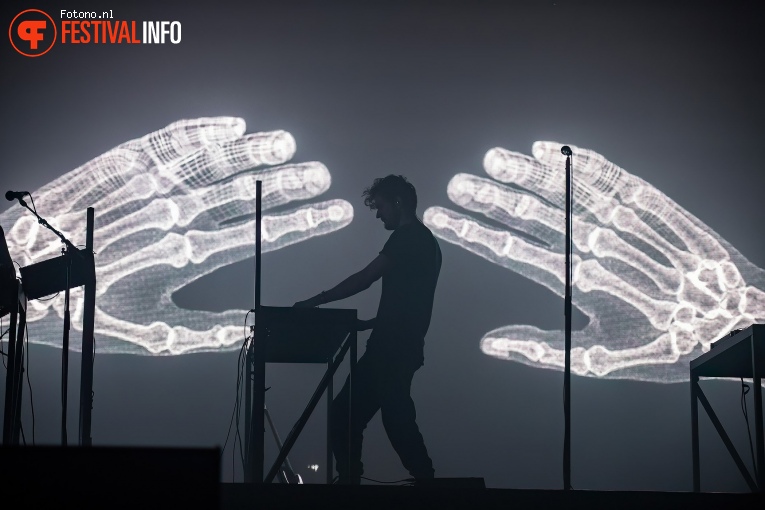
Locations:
(565, 150)
(13, 195)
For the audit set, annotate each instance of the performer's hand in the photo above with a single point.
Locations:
(308, 303)
(364, 325)
(656, 283)
(171, 207)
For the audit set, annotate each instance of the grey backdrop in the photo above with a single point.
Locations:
(673, 94)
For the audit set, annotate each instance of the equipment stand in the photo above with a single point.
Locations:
(566, 150)
(741, 354)
(14, 376)
(43, 279)
(290, 335)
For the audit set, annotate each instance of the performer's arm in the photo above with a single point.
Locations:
(365, 325)
(351, 285)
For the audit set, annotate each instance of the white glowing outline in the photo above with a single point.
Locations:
(668, 313)
(166, 209)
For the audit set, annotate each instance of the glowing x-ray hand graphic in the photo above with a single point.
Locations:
(656, 283)
(171, 206)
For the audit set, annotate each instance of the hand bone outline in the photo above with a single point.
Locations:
(656, 283)
(171, 207)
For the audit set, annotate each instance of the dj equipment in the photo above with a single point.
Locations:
(741, 354)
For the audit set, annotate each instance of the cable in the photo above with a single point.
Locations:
(2, 352)
(237, 403)
(744, 391)
(242, 370)
(93, 368)
(407, 480)
(29, 384)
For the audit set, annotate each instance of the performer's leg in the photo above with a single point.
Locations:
(399, 418)
(365, 404)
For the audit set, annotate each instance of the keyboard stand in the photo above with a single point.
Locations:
(739, 355)
(294, 335)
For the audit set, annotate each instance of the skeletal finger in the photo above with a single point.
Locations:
(499, 246)
(532, 346)
(229, 200)
(100, 177)
(184, 136)
(530, 215)
(698, 239)
(614, 185)
(217, 162)
(604, 242)
(281, 185)
(32, 241)
(590, 275)
(232, 199)
(110, 209)
(161, 338)
(515, 209)
(196, 246)
(191, 331)
(515, 168)
(589, 168)
(507, 250)
(91, 182)
(546, 179)
(703, 281)
(658, 221)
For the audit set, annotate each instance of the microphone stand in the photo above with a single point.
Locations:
(68, 251)
(566, 150)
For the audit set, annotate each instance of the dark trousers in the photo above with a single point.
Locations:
(379, 384)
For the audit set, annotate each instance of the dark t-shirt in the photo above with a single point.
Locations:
(408, 286)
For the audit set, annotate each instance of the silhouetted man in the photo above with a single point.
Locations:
(409, 265)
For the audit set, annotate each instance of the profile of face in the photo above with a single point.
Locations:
(388, 211)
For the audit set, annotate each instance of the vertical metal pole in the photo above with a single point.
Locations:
(88, 344)
(65, 346)
(19, 377)
(248, 360)
(258, 234)
(330, 395)
(351, 423)
(10, 373)
(567, 313)
(256, 429)
(758, 353)
(695, 431)
(15, 371)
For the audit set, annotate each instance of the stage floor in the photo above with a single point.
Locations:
(370, 497)
(162, 478)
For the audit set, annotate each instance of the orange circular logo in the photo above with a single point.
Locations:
(32, 33)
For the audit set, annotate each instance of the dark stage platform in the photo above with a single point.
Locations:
(148, 478)
(370, 497)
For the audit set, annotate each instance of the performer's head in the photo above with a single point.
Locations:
(394, 198)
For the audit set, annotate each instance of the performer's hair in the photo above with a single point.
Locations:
(390, 188)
